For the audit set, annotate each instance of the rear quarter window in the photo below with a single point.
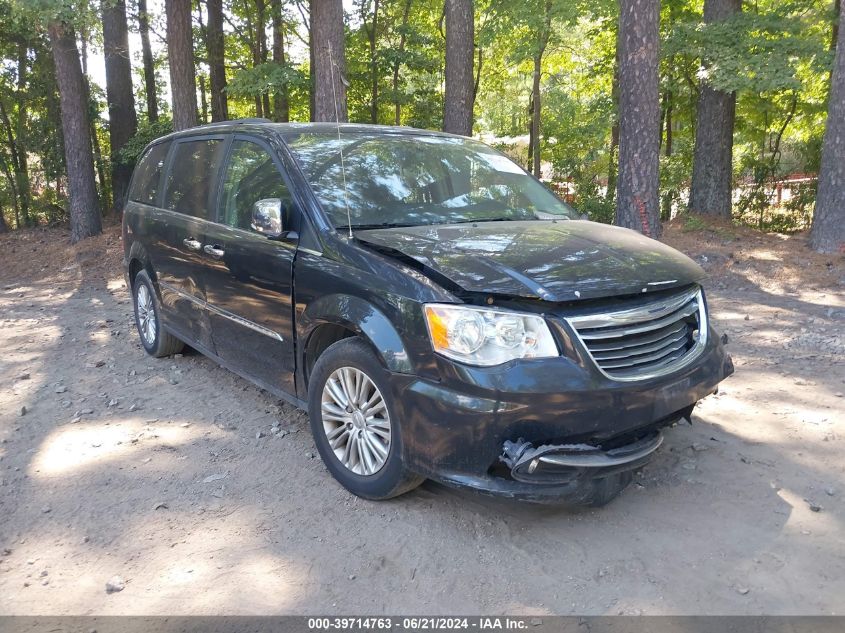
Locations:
(145, 184)
(192, 176)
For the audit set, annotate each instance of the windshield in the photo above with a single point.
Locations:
(409, 180)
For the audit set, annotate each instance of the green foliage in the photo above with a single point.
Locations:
(266, 78)
(775, 55)
(146, 134)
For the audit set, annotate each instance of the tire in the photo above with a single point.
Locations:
(155, 340)
(367, 472)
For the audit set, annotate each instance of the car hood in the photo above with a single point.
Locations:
(562, 260)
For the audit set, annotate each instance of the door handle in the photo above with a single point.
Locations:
(192, 243)
(214, 250)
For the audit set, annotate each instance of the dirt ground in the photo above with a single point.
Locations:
(167, 474)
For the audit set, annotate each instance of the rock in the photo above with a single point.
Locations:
(160, 506)
(86, 411)
(275, 430)
(61, 389)
(215, 477)
(44, 572)
(23, 411)
(7, 551)
(112, 403)
(815, 507)
(351, 576)
(259, 435)
(45, 582)
(536, 622)
(742, 590)
(99, 363)
(46, 509)
(699, 447)
(30, 561)
(133, 407)
(23, 376)
(115, 584)
(830, 491)
(309, 455)
(747, 318)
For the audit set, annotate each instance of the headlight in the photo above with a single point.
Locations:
(481, 336)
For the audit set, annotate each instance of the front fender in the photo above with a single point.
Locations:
(365, 320)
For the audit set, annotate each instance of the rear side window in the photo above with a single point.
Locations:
(148, 175)
(192, 175)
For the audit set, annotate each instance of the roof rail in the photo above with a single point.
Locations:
(232, 122)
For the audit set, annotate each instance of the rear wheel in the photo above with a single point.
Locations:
(155, 340)
(354, 422)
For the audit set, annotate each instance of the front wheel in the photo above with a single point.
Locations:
(354, 422)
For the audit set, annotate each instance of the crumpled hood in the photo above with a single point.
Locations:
(562, 260)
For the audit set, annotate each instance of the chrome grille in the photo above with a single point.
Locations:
(647, 341)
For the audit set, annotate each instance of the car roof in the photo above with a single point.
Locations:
(265, 127)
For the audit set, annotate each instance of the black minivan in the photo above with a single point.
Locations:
(437, 310)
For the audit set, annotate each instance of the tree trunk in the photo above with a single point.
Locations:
(536, 97)
(82, 194)
(536, 110)
(371, 38)
(828, 232)
(3, 226)
(22, 166)
(612, 164)
(123, 123)
(668, 148)
(261, 49)
(460, 39)
(147, 56)
(203, 98)
(531, 144)
(398, 105)
(637, 204)
(216, 61)
(312, 76)
(711, 192)
(93, 118)
(329, 71)
(281, 99)
(180, 51)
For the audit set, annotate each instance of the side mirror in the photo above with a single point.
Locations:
(267, 217)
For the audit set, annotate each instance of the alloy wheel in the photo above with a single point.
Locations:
(146, 314)
(356, 421)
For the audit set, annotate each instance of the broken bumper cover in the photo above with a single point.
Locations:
(550, 463)
(580, 427)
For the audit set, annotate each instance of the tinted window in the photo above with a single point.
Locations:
(405, 179)
(192, 176)
(148, 175)
(251, 175)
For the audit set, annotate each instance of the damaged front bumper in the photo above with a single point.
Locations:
(581, 430)
(558, 464)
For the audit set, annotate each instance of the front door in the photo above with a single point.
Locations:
(178, 234)
(249, 278)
